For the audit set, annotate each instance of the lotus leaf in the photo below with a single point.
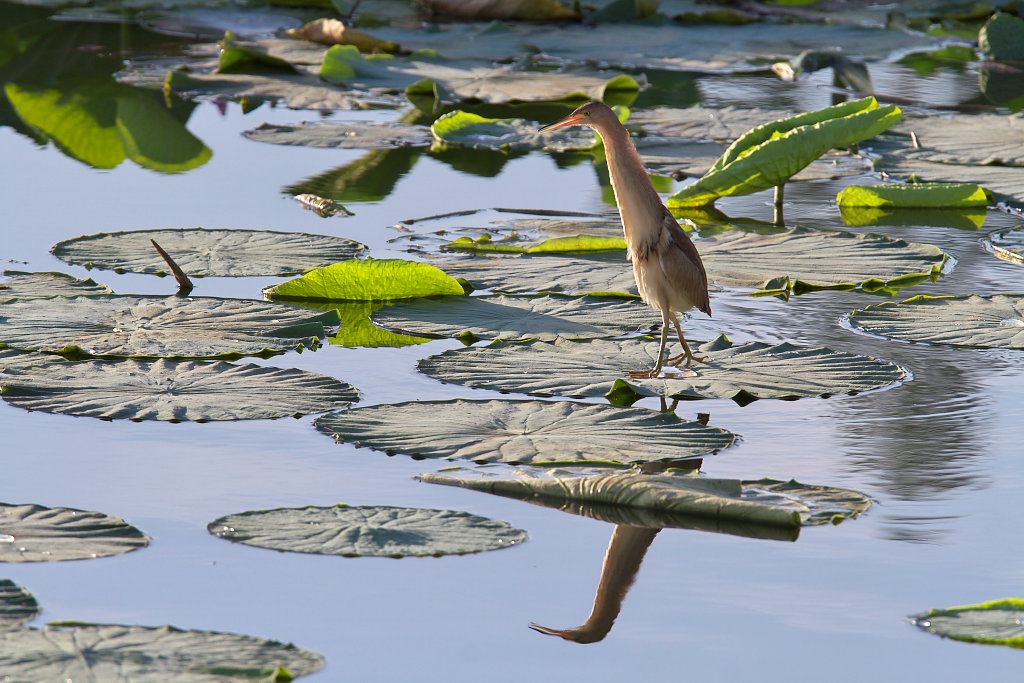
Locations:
(999, 622)
(367, 531)
(704, 123)
(463, 129)
(12, 361)
(600, 367)
(525, 432)
(961, 219)
(33, 533)
(1005, 183)
(17, 605)
(155, 326)
(202, 252)
(112, 652)
(342, 135)
(763, 501)
(914, 195)
(994, 322)
(1002, 37)
(370, 280)
(592, 274)
(977, 140)
(35, 285)
(178, 391)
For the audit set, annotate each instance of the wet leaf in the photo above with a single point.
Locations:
(976, 140)
(202, 252)
(342, 135)
(995, 322)
(367, 531)
(178, 391)
(998, 622)
(154, 326)
(579, 369)
(914, 195)
(464, 129)
(21, 285)
(1002, 37)
(532, 432)
(17, 605)
(370, 280)
(33, 533)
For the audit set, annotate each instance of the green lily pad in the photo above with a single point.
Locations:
(1007, 245)
(600, 367)
(370, 280)
(20, 285)
(532, 432)
(518, 317)
(1002, 37)
(367, 531)
(33, 533)
(17, 605)
(999, 622)
(112, 652)
(178, 391)
(464, 129)
(992, 322)
(763, 501)
(1005, 183)
(914, 195)
(202, 252)
(155, 326)
(342, 135)
(358, 331)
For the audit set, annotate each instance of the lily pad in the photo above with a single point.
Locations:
(992, 322)
(464, 129)
(155, 326)
(112, 652)
(367, 531)
(703, 123)
(523, 274)
(1007, 245)
(342, 135)
(1002, 37)
(178, 391)
(518, 317)
(600, 367)
(763, 501)
(1005, 183)
(977, 140)
(914, 195)
(21, 285)
(33, 533)
(202, 252)
(370, 280)
(12, 361)
(17, 605)
(999, 622)
(534, 432)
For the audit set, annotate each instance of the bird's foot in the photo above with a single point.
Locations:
(674, 361)
(644, 374)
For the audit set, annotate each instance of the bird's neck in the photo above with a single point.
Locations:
(638, 201)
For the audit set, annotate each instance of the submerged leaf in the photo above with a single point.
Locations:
(370, 280)
(33, 533)
(914, 195)
(999, 622)
(20, 285)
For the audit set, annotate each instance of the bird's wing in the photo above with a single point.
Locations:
(681, 264)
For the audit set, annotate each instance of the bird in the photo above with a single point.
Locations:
(669, 273)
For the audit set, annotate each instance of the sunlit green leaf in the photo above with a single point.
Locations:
(369, 280)
(914, 195)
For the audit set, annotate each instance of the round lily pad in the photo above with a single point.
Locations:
(367, 531)
(342, 135)
(112, 652)
(523, 274)
(525, 431)
(20, 285)
(33, 533)
(203, 252)
(177, 391)
(600, 367)
(993, 322)
(999, 622)
(17, 605)
(518, 317)
(155, 326)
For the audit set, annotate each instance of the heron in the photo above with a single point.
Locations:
(669, 273)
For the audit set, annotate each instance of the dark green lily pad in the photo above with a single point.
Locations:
(202, 252)
(532, 432)
(155, 326)
(991, 322)
(33, 533)
(112, 652)
(367, 531)
(1007, 245)
(21, 285)
(17, 605)
(178, 391)
(999, 622)
(342, 135)
(763, 501)
(1002, 37)
(369, 280)
(464, 129)
(600, 367)
(518, 317)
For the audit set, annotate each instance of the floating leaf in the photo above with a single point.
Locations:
(592, 274)
(518, 317)
(17, 605)
(155, 326)
(178, 391)
(994, 322)
(704, 123)
(555, 245)
(773, 152)
(999, 622)
(1005, 183)
(915, 195)
(979, 139)
(111, 652)
(33, 533)
(342, 135)
(12, 361)
(597, 367)
(20, 285)
(234, 57)
(763, 501)
(202, 252)
(1002, 37)
(525, 432)
(367, 531)
(370, 280)
(464, 129)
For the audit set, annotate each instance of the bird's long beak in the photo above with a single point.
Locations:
(573, 119)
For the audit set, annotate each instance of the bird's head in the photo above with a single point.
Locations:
(593, 114)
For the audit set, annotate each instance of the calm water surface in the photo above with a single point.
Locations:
(940, 454)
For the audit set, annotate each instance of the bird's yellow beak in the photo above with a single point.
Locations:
(573, 119)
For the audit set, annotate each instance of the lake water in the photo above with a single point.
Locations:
(940, 454)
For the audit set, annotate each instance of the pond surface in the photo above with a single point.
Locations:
(940, 453)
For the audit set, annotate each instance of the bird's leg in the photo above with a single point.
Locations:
(647, 374)
(687, 354)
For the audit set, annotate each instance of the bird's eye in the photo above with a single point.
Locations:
(586, 113)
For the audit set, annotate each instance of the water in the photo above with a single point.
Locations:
(939, 454)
